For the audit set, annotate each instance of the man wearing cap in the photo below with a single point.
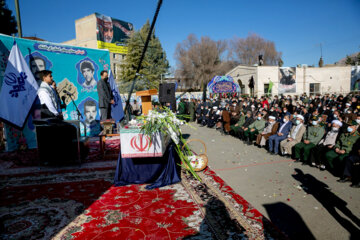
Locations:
(334, 158)
(295, 136)
(255, 128)
(282, 133)
(269, 130)
(326, 144)
(311, 138)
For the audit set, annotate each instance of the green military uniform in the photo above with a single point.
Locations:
(192, 111)
(234, 130)
(314, 134)
(181, 110)
(345, 142)
(258, 126)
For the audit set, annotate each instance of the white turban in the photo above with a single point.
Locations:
(337, 122)
(272, 117)
(300, 116)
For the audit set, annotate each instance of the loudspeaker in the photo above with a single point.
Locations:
(166, 92)
(57, 143)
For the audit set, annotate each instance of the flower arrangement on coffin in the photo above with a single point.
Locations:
(165, 121)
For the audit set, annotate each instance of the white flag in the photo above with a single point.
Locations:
(19, 89)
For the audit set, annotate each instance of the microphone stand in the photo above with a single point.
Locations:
(77, 109)
(77, 132)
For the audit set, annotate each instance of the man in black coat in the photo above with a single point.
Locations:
(106, 97)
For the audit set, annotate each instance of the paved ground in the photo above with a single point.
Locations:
(302, 201)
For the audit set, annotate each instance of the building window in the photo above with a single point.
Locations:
(114, 69)
(266, 89)
(314, 88)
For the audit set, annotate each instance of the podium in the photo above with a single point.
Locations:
(146, 99)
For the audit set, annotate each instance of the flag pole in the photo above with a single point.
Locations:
(17, 8)
(127, 111)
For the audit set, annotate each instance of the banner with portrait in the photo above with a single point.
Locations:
(355, 78)
(74, 69)
(287, 80)
(112, 33)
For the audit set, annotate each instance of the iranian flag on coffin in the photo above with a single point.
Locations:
(135, 144)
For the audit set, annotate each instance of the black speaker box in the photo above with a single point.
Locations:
(57, 143)
(166, 92)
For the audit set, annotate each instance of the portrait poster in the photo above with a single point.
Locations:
(355, 78)
(112, 33)
(287, 80)
(74, 69)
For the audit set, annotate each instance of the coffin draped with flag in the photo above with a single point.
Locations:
(135, 144)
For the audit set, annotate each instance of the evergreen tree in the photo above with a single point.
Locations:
(349, 61)
(280, 62)
(153, 66)
(321, 62)
(7, 20)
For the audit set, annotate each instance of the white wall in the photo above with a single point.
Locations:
(265, 74)
(244, 73)
(334, 79)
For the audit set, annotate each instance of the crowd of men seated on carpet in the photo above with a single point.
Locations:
(322, 131)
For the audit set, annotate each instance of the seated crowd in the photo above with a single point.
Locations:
(322, 131)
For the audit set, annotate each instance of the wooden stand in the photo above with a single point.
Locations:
(146, 99)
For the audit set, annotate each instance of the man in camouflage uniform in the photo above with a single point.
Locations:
(343, 146)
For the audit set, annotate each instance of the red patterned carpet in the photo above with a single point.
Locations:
(83, 204)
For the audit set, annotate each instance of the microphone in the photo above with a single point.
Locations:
(67, 92)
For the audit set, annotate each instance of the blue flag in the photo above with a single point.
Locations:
(19, 89)
(117, 112)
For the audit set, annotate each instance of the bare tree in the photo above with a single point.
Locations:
(247, 50)
(198, 61)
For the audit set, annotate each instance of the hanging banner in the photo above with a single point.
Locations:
(112, 33)
(75, 69)
(287, 80)
(223, 84)
(355, 78)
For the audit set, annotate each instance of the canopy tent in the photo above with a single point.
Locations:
(223, 84)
